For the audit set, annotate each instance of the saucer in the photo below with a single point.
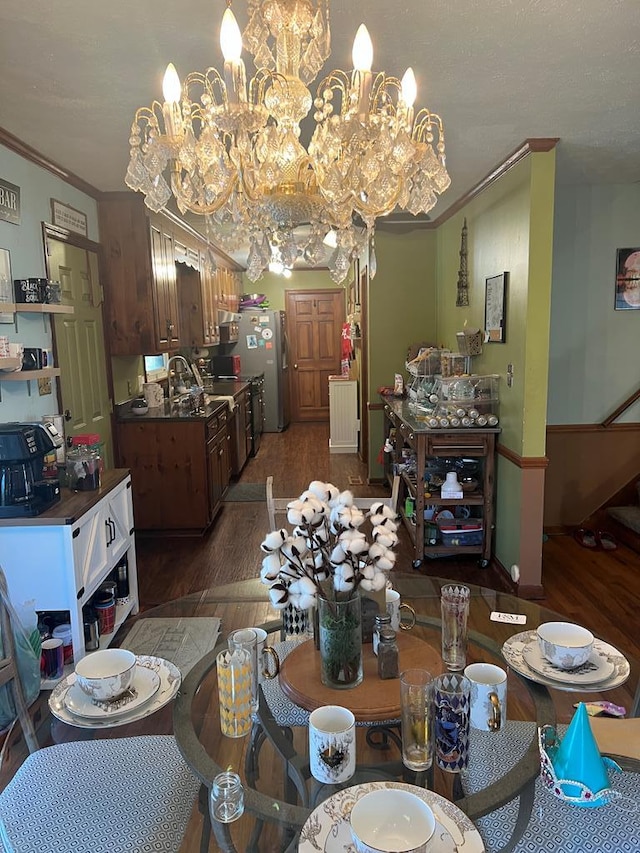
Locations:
(144, 685)
(513, 653)
(170, 680)
(328, 829)
(594, 670)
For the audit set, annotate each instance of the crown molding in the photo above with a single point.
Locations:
(529, 146)
(19, 147)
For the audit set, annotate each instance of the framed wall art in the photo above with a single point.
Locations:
(495, 308)
(6, 285)
(627, 279)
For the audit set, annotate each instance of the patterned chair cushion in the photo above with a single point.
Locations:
(108, 796)
(555, 826)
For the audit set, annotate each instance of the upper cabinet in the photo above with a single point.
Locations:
(162, 288)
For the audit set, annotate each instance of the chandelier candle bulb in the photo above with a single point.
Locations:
(362, 56)
(235, 78)
(171, 91)
(409, 93)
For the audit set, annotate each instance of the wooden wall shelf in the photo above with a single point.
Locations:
(34, 308)
(28, 375)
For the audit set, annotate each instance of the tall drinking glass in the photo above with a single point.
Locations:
(454, 601)
(416, 690)
(451, 701)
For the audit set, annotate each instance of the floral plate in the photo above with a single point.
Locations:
(513, 653)
(144, 685)
(327, 828)
(595, 669)
(170, 680)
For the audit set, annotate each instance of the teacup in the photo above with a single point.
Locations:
(391, 821)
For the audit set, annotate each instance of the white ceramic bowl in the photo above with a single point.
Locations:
(391, 821)
(564, 644)
(106, 674)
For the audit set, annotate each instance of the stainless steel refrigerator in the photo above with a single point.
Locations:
(262, 346)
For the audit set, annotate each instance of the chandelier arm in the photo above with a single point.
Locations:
(206, 209)
(148, 115)
(367, 211)
(212, 88)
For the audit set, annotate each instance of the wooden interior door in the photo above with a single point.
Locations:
(79, 344)
(314, 326)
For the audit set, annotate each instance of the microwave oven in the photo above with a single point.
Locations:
(226, 365)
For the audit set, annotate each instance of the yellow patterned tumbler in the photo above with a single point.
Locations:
(235, 692)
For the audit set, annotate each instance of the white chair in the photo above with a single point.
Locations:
(108, 796)
(278, 506)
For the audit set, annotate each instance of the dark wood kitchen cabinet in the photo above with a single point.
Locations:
(180, 470)
(140, 280)
(218, 461)
(164, 290)
(241, 431)
(146, 300)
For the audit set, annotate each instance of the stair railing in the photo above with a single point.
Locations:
(628, 402)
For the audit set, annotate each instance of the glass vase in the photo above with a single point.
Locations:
(339, 625)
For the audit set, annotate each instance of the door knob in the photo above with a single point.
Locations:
(67, 415)
(295, 366)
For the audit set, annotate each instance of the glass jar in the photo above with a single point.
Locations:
(83, 469)
(388, 666)
(226, 800)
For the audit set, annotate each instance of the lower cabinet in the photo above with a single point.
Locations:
(241, 432)
(180, 469)
(58, 560)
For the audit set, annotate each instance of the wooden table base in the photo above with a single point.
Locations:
(374, 699)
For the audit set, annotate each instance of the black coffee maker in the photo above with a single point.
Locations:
(24, 488)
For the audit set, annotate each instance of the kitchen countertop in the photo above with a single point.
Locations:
(72, 505)
(164, 413)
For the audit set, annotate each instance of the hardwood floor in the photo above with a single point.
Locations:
(600, 589)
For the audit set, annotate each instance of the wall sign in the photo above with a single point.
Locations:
(495, 308)
(68, 217)
(9, 202)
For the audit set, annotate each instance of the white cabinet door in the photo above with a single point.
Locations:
(90, 555)
(118, 521)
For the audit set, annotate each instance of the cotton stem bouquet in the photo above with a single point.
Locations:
(327, 552)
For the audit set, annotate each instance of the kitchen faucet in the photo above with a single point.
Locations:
(172, 360)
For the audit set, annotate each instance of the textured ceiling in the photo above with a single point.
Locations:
(497, 71)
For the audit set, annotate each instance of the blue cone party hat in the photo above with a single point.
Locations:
(574, 770)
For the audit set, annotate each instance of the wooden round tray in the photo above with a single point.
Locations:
(374, 699)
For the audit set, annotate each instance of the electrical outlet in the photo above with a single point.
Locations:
(509, 375)
(44, 386)
(129, 387)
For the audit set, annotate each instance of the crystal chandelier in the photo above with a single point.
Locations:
(230, 150)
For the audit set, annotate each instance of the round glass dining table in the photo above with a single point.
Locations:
(272, 760)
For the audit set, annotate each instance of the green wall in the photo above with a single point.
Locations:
(413, 297)
(273, 286)
(401, 311)
(510, 229)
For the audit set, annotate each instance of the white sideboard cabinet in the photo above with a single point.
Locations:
(59, 559)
